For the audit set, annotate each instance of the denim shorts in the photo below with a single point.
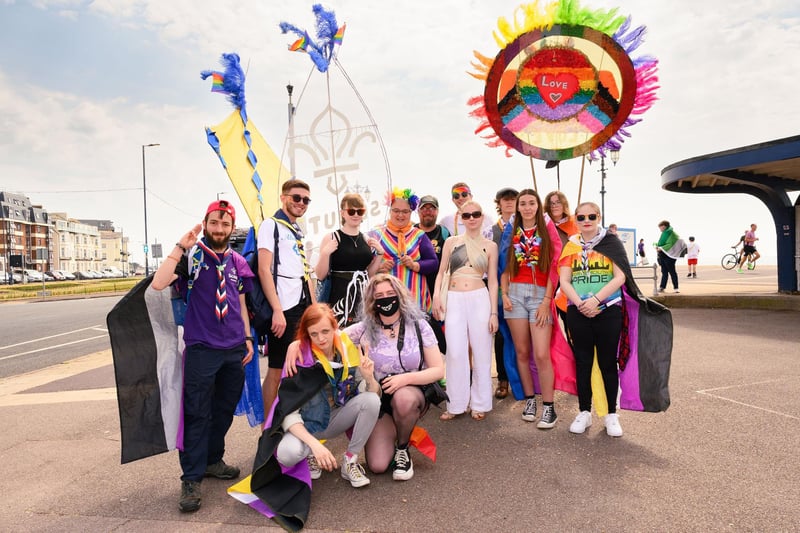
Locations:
(525, 300)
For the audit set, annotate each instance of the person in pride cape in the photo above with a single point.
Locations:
(328, 388)
(527, 286)
(213, 280)
(407, 252)
(610, 324)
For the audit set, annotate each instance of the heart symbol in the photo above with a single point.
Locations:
(557, 88)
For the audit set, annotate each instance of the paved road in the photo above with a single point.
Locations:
(37, 334)
(722, 458)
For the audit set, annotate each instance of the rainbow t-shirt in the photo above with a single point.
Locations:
(589, 279)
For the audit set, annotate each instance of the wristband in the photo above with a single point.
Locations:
(179, 245)
(493, 314)
(248, 339)
(596, 298)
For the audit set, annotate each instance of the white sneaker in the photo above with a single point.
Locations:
(613, 429)
(353, 472)
(316, 471)
(403, 467)
(581, 422)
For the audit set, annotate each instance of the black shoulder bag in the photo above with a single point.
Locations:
(434, 392)
(258, 307)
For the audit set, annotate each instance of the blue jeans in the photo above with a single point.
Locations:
(212, 384)
(667, 265)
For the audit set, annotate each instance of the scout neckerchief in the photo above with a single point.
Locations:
(281, 218)
(202, 250)
(586, 247)
(345, 387)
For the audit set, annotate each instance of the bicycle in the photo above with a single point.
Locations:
(730, 260)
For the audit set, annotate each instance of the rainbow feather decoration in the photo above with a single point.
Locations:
(329, 35)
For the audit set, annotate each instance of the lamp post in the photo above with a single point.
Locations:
(614, 158)
(144, 192)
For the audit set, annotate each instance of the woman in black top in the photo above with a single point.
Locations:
(346, 257)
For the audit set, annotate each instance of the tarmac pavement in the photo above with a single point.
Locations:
(723, 457)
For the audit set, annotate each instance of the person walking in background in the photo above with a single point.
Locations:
(669, 250)
(348, 258)
(527, 289)
(506, 205)
(692, 251)
(216, 331)
(471, 317)
(642, 254)
(749, 252)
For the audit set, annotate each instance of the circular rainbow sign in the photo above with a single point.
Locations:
(559, 93)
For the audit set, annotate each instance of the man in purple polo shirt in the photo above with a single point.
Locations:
(213, 279)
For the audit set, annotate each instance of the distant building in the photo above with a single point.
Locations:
(78, 244)
(25, 234)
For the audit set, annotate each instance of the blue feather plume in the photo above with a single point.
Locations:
(320, 50)
(233, 79)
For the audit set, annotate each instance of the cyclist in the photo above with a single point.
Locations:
(749, 252)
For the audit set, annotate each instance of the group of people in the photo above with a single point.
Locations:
(406, 305)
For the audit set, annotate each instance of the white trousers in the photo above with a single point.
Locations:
(466, 324)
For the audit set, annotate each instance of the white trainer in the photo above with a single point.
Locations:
(613, 429)
(353, 472)
(581, 422)
(313, 467)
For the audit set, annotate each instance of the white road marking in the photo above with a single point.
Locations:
(707, 393)
(51, 347)
(97, 328)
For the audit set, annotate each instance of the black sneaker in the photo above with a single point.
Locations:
(220, 470)
(190, 496)
(403, 467)
(549, 417)
(529, 411)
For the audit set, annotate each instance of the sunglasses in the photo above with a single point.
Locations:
(473, 214)
(581, 218)
(462, 194)
(296, 198)
(351, 211)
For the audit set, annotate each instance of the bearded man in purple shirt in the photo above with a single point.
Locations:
(213, 280)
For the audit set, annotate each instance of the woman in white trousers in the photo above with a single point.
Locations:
(469, 310)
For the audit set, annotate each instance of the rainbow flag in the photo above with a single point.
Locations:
(299, 45)
(218, 85)
(337, 38)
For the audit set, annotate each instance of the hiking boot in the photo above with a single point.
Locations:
(529, 411)
(549, 417)
(313, 467)
(353, 472)
(220, 470)
(581, 422)
(613, 429)
(190, 496)
(403, 468)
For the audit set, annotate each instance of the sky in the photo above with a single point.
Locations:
(84, 84)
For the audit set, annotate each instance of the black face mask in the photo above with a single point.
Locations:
(387, 306)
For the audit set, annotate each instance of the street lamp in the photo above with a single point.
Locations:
(614, 158)
(144, 192)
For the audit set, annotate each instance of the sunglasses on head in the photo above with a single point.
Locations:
(581, 218)
(296, 198)
(352, 211)
(462, 194)
(473, 214)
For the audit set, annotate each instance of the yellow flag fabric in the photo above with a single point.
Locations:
(599, 390)
(233, 150)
